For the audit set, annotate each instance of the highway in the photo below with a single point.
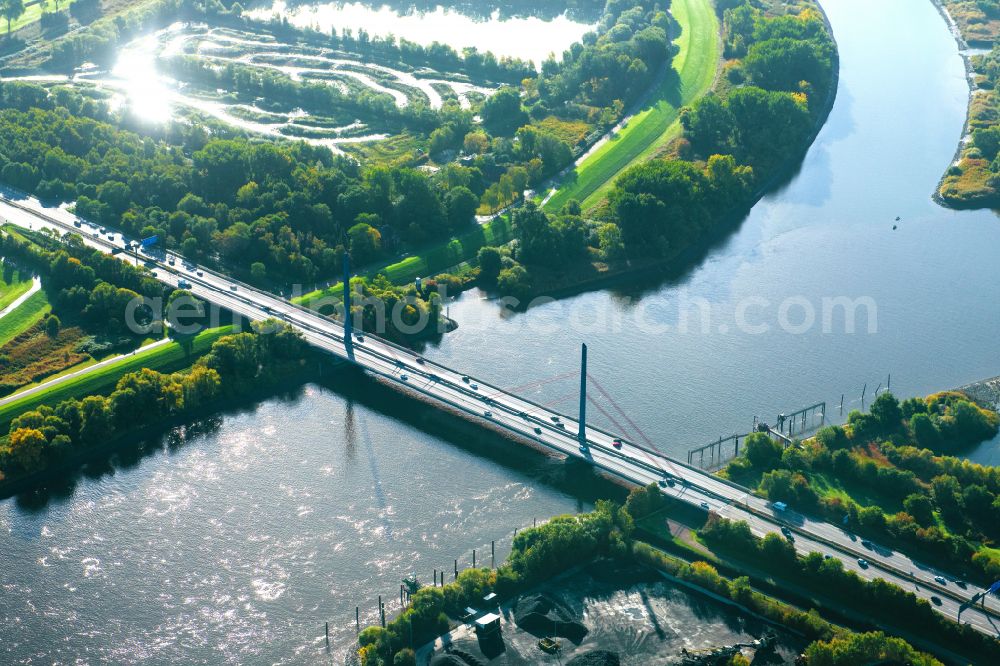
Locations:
(558, 432)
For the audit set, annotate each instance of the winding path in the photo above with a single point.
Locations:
(646, 130)
(36, 285)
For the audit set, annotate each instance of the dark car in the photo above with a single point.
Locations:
(617, 443)
(936, 600)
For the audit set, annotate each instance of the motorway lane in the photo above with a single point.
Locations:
(633, 463)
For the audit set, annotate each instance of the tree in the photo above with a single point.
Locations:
(887, 412)
(258, 271)
(708, 125)
(502, 111)
(52, 325)
(461, 205)
(489, 265)
(26, 445)
(921, 507)
(515, 281)
(405, 657)
(763, 452)
(364, 241)
(11, 10)
(476, 142)
(925, 433)
(609, 238)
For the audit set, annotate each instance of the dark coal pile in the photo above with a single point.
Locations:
(542, 616)
(456, 658)
(595, 658)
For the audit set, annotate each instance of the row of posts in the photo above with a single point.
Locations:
(404, 594)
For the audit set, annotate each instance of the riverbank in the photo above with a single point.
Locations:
(576, 277)
(76, 462)
(965, 184)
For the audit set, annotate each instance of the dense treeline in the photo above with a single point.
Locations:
(618, 62)
(828, 577)
(237, 364)
(936, 507)
(286, 206)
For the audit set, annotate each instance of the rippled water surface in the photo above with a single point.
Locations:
(528, 38)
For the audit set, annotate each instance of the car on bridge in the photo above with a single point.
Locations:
(488, 414)
(863, 563)
(787, 532)
(538, 431)
(705, 506)
(940, 580)
(936, 600)
(617, 443)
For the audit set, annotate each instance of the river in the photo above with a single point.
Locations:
(236, 540)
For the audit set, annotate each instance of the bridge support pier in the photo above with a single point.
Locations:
(348, 317)
(582, 435)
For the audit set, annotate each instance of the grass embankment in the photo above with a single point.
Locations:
(167, 358)
(432, 260)
(33, 13)
(13, 285)
(693, 72)
(24, 316)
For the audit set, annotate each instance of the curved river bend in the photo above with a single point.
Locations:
(236, 542)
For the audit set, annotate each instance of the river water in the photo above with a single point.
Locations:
(236, 540)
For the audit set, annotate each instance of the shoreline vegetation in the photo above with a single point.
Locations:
(778, 86)
(52, 439)
(972, 180)
(893, 475)
(610, 534)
